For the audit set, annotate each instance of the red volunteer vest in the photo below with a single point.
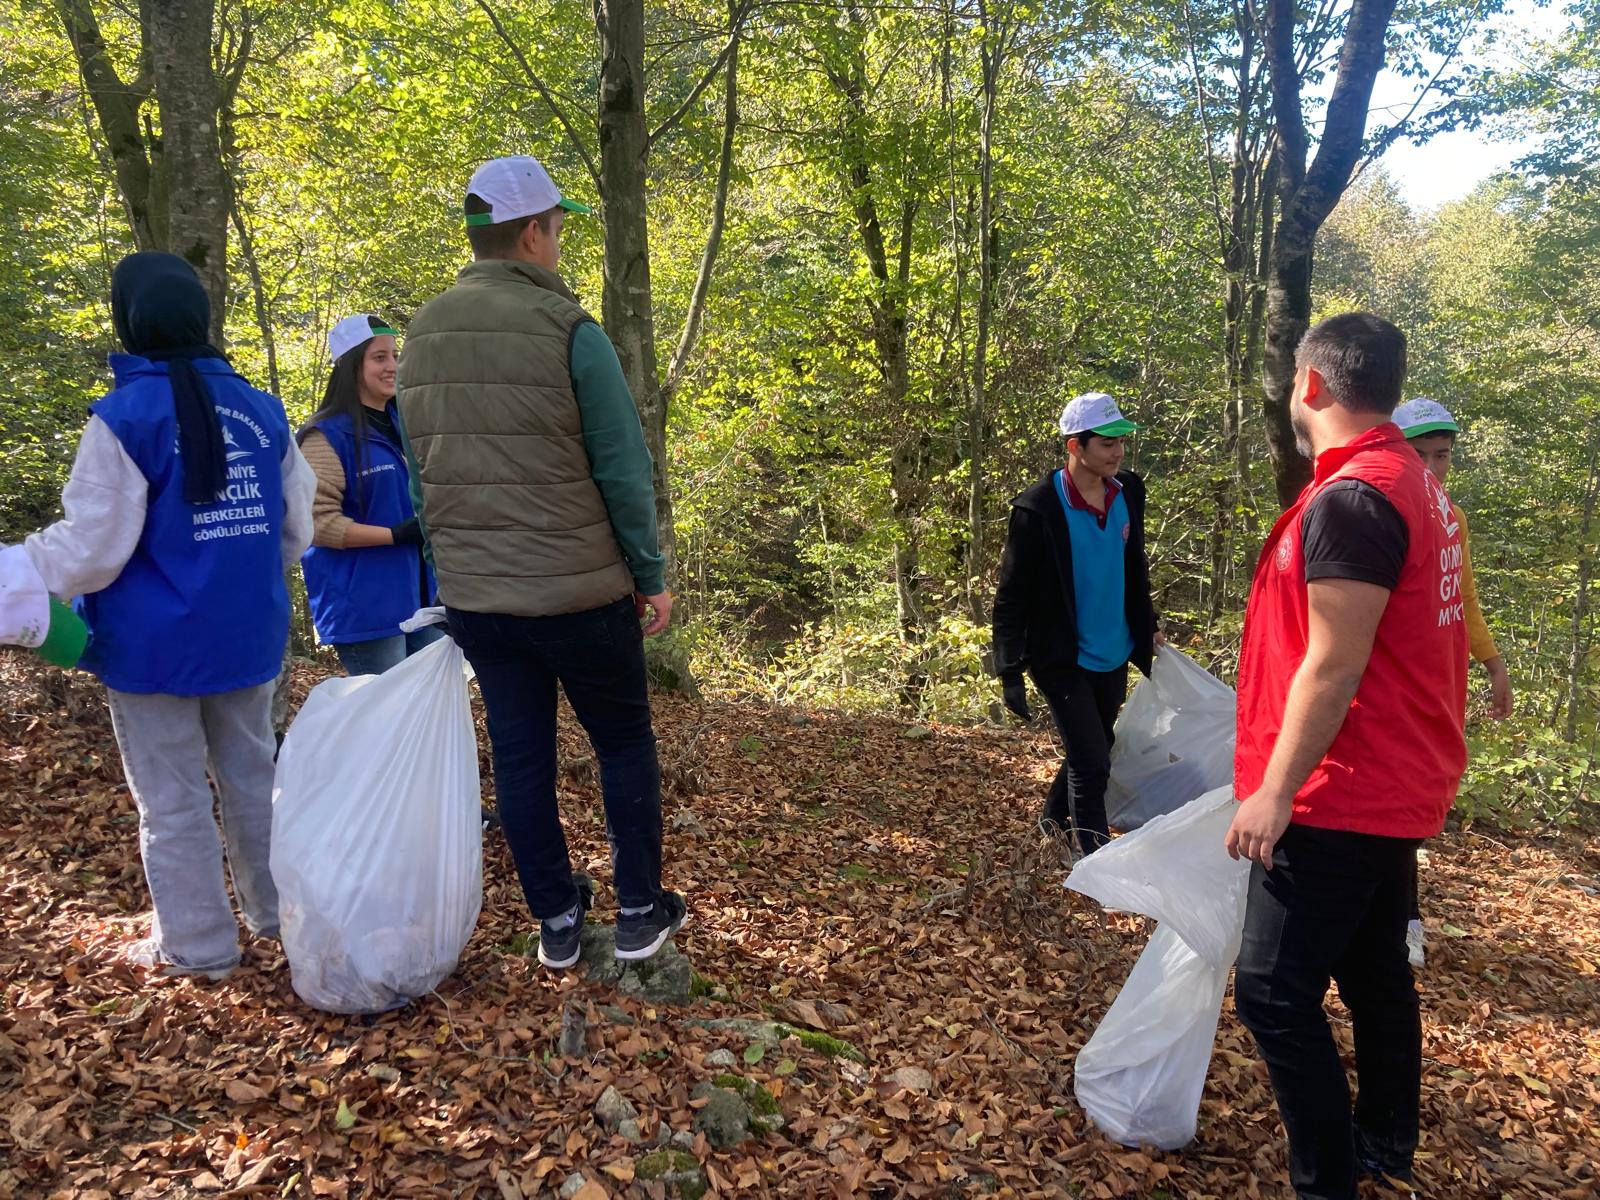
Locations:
(1395, 764)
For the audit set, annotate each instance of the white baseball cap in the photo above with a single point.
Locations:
(1424, 415)
(517, 186)
(352, 331)
(1094, 412)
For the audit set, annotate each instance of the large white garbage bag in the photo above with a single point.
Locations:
(1174, 741)
(376, 835)
(1140, 1075)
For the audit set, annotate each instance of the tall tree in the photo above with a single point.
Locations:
(1307, 193)
(168, 167)
(622, 175)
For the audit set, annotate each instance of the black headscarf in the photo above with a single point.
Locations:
(161, 312)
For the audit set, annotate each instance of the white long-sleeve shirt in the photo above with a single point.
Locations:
(104, 504)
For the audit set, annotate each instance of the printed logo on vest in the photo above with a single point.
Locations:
(1127, 530)
(1285, 552)
(1441, 502)
(235, 452)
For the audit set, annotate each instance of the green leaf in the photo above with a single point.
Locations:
(754, 1053)
(345, 1118)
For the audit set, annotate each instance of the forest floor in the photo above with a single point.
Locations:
(879, 881)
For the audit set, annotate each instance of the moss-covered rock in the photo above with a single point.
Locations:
(678, 1170)
(726, 1117)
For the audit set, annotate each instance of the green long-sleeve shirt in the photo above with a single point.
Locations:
(618, 458)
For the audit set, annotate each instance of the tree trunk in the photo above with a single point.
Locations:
(625, 297)
(197, 188)
(117, 106)
(173, 185)
(719, 218)
(1580, 603)
(993, 54)
(1306, 195)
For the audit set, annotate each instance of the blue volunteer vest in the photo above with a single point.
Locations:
(1099, 581)
(201, 606)
(361, 594)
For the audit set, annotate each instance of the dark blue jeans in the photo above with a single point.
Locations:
(597, 658)
(1334, 905)
(378, 655)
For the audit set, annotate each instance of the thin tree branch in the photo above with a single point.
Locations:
(719, 214)
(544, 92)
(735, 30)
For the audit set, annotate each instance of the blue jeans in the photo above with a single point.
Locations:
(378, 655)
(597, 658)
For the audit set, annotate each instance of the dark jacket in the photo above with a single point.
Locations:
(1035, 608)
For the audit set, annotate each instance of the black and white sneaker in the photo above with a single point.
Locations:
(641, 935)
(560, 948)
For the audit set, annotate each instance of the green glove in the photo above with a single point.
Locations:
(66, 638)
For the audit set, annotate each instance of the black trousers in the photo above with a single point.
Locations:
(1085, 705)
(1335, 904)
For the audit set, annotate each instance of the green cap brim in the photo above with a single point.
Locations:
(64, 643)
(573, 206)
(1428, 427)
(480, 218)
(380, 330)
(1116, 428)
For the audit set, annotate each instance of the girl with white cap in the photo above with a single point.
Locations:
(365, 572)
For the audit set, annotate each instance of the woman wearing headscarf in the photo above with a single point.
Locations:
(186, 500)
(365, 571)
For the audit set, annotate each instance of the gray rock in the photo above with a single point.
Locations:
(917, 733)
(629, 1131)
(913, 1079)
(768, 1033)
(722, 1058)
(685, 822)
(767, 1122)
(617, 1016)
(682, 1138)
(676, 1170)
(666, 978)
(725, 1120)
(574, 1030)
(572, 1186)
(613, 1108)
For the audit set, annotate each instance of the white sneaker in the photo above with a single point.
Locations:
(1414, 944)
(147, 953)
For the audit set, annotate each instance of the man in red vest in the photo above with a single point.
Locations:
(1352, 702)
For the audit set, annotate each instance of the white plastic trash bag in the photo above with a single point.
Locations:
(376, 836)
(1140, 1075)
(1176, 870)
(1174, 741)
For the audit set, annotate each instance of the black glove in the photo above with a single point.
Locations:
(407, 533)
(1015, 694)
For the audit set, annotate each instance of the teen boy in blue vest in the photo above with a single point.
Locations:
(537, 503)
(1073, 605)
(187, 500)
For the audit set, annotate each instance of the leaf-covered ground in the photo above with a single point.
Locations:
(878, 881)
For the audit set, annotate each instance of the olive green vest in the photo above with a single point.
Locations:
(512, 512)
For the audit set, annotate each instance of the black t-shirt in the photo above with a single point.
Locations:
(379, 421)
(1351, 531)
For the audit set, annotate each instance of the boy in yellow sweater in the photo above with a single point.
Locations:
(1432, 431)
